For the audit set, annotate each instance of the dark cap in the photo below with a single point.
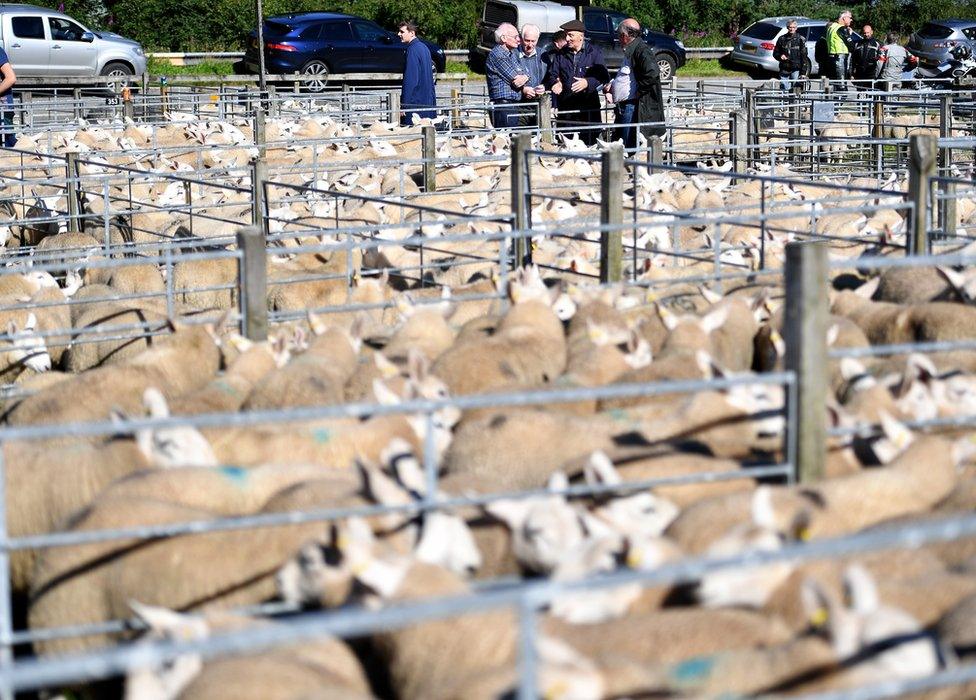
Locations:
(573, 25)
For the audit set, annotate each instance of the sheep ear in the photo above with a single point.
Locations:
(860, 589)
(669, 320)
(357, 331)
(155, 403)
(851, 368)
(511, 512)
(557, 482)
(356, 535)
(11, 328)
(867, 290)
(400, 460)
(956, 280)
(763, 513)
(418, 368)
(316, 323)
(385, 395)
(896, 431)
(380, 487)
(600, 470)
(715, 319)
(816, 603)
(710, 296)
(832, 334)
(31, 322)
(170, 622)
(920, 367)
(387, 369)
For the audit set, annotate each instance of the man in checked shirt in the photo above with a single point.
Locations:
(506, 77)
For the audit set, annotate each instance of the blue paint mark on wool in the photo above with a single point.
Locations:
(236, 474)
(693, 669)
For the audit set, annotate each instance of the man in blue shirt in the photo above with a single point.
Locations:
(506, 76)
(418, 77)
(7, 80)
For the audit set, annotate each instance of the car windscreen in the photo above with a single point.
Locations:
(762, 30)
(934, 31)
(272, 28)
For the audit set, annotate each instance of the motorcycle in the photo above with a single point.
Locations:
(959, 70)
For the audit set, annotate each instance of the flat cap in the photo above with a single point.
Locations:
(573, 25)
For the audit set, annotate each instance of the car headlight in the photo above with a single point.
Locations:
(138, 51)
(679, 43)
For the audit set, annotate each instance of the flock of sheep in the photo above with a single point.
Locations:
(126, 328)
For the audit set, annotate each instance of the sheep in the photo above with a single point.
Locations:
(26, 350)
(104, 320)
(324, 665)
(315, 377)
(528, 347)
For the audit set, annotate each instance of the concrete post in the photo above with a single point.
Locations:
(611, 213)
(429, 149)
(922, 151)
(521, 143)
(253, 283)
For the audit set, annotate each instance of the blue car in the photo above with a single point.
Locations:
(318, 44)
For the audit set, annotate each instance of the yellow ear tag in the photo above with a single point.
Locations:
(819, 617)
(634, 559)
(535, 246)
(556, 689)
(776, 337)
(803, 534)
(342, 542)
(597, 335)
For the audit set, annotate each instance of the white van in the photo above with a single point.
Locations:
(45, 43)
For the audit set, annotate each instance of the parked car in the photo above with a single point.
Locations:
(318, 44)
(935, 39)
(601, 29)
(754, 47)
(49, 44)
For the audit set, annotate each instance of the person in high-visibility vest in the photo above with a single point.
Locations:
(839, 46)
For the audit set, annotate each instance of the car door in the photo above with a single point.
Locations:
(382, 52)
(598, 33)
(341, 49)
(812, 34)
(69, 54)
(26, 44)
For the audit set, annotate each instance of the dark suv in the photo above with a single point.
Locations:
(317, 44)
(933, 41)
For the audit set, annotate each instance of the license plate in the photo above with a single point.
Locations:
(749, 47)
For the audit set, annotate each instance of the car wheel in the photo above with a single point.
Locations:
(666, 65)
(319, 74)
(120, 73)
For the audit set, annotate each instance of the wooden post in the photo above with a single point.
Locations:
(73, 195)
(253, 283)
(274, 106)
(805, 334)
(947, 205)
(259, 175)
(611, 213)
(76, 97)
(922, 150)
(455, 108)
(429, 137)
(739, 137)
(521, 143)
(546, 133)
(394, 107)
(655, 150)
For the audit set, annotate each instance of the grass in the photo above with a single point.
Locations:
(459, 67)
(161, 67)
(707, 68)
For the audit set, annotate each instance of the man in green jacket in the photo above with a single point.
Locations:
(645, 72)
(839, 47)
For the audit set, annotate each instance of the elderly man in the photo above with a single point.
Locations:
(645, 85)
(839, 46)
(531, 60)
(576, 75)
(506, 76)
(791, 52)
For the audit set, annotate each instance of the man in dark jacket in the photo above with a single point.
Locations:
(417, 90)
(791, 52)
(576, 75)
(865, 56)
(647, 75)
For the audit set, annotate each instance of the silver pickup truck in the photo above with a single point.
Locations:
(45, 43)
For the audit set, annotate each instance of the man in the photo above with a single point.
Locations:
(895, 61)
(791, 52)
(576, 75)
(865, 57)
(557, 44)
(646, 77)
(505, 76)
(839, 47)
(531, 60)
(7, 80)
(418, 77)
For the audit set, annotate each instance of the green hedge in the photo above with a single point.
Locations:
(213, 25)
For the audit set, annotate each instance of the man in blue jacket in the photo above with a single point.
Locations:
(7, 80)
(418, 77)
(577, 75)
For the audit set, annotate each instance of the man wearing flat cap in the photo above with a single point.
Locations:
(576, 75)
